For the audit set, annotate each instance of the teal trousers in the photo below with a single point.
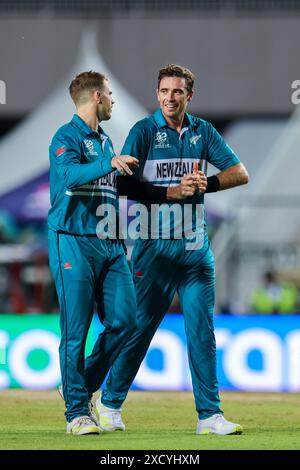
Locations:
(161, 267)
(86, 271)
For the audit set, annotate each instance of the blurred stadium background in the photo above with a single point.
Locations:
(245, 54)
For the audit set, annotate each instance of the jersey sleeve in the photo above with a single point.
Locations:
(136, 145)
(140, 190)
(65, 154)
(219, 154)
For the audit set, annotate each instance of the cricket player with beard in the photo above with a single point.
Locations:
(87, 266)
(167, 144)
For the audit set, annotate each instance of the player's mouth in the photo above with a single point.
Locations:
(170, 107)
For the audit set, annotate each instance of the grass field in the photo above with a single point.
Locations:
(154, 420)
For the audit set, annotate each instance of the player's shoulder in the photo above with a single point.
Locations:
(143, 125)
(200, 123)
(203, 127)
(66, 134)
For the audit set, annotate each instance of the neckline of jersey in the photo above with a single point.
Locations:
(78, 122)
(161, 121)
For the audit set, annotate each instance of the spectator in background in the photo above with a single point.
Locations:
(4, 290)
(274, 297)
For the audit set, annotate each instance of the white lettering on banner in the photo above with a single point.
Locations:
(293, 360)
(170, 377)
(21, 348)
(279, 371)
(4, 342)
(222, 336)
(269, 378)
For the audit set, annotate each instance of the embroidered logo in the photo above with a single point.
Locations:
(67, 266)
(60, 151)
(194, 139)
(90, 147)
(139, 274)
(161, 140)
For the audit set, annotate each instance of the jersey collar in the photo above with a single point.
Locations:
(161, 122)
(78, 122)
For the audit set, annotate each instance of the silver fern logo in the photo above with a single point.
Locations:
(194, 139)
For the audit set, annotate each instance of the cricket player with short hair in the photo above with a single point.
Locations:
(88, 267)
(167, 144)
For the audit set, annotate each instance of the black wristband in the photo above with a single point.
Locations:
(213, 184)
(140, 190)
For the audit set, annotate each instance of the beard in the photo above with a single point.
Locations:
(103, 115)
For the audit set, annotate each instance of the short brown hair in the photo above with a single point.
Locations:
(85, 82)
(173, 70)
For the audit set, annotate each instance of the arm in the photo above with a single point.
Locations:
(233, 172)
(145, 191)
(66, 156)
(235, 175)
(140, 190)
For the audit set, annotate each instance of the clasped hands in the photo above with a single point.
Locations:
(190, 184)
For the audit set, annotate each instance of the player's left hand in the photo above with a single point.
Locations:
(200, 179)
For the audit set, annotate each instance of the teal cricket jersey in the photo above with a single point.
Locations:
(81, 178)
(165, 157)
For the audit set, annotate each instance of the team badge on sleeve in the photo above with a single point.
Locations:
(67, 266)
(60, 151)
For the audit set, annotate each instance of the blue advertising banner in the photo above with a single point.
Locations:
(254, 353)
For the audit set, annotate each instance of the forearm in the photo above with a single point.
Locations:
(140, 190)
(79, 174)
(236, 175)
(174, 193)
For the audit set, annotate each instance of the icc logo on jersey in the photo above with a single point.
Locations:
(161, 139)
(90, 147)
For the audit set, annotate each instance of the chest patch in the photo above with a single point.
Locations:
(161, 140)
(89, 145)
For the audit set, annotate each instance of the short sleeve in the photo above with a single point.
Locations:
(219, 154)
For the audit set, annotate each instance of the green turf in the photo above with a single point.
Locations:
(154, 420)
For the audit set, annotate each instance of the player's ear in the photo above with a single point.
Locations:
(97, 96)
(190, 95)
(157, 94)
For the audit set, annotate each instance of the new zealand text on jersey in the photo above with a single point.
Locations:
(107, 180)
(173, 169)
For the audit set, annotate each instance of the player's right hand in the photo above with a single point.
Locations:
(186, 188)
(124, 163)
